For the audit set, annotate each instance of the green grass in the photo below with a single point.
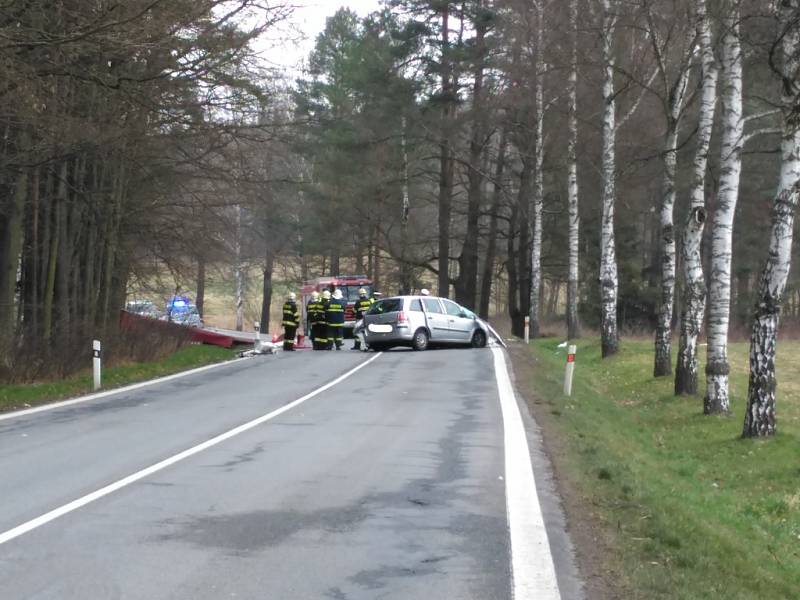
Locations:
(25, 395)
(695, 511)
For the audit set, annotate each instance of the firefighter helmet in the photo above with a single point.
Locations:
(362, 292)
(337, 294)
(292, 296)
(315, 296)
(326, 294)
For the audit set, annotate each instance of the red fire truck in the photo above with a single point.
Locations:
(349, 284)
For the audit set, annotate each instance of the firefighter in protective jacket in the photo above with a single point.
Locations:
(316, 318)
(291, 321)
(334, 315)
(361, 307)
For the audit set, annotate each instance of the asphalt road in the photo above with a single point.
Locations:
(388, 484)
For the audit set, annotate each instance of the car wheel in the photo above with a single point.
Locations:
(479, 339)
(420, 341)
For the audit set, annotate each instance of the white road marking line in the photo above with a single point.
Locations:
(532, 568)
(120, 390)
(113, 487)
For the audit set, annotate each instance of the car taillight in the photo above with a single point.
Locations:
(401, 317)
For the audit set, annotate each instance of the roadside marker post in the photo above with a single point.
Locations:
(570, 370)
(257, 340)
(527, 330)
(96, 364)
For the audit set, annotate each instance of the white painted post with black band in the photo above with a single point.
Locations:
(527, 330)
(96, 364)
(570, 370)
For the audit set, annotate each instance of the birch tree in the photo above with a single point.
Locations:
(695, 286)
(717, 400)
(673, 76)
(609, 283)
(760, 417)
(538, 178)
(573, 330)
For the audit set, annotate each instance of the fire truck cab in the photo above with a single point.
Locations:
(349, 284)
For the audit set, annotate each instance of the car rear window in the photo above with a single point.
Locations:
(416, 305)
(386, 306)
(432, 305)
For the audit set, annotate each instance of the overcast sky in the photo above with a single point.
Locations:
(308, 19)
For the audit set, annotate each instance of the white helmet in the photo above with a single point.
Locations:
(425, 292)
(362, 292)
(337, 294)
(292, 296)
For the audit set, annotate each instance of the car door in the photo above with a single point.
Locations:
(460, 326)
(437, 320)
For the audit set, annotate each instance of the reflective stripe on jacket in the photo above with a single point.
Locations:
(335, 313)
(316, 311)
(291, 316)
(361, 307)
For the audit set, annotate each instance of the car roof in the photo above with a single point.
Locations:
(418, 297)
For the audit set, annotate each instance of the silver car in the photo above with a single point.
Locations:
(419, 321)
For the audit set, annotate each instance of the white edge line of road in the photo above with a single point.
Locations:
(119, 390)
(532, 567)
(125, 481)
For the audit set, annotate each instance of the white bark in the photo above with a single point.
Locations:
(760, 416)
(663, 354)
(695, 290)
(538, 181)
(239, 272)
(609, 283)
(717, 398)
(572, 181)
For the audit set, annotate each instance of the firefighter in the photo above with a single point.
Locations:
(376, 295)
(316, 320)
(291, 321)
(361, 307)
(334, 315)
(325, 340)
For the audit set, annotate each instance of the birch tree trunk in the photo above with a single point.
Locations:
(694, 299)
(11, 251)
(538, 181)
(239, 272)
(405, 269)
(663, 342)
(573, 327)
(609, 283)
(717, 398)
(760, 417)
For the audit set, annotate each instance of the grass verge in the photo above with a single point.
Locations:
(16, 396)
(690, 510)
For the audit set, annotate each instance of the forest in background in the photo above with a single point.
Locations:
(605, 161)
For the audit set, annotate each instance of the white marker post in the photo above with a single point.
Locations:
(570, 370)
(527, 330)
(96, 364)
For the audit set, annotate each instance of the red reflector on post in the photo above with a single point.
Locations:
(570, 358)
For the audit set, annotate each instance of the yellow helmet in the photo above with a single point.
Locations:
(315, 296)
(326, 294)
(362, 292)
